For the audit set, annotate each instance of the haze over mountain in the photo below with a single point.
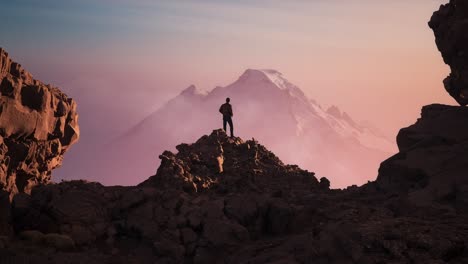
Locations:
(267, 107)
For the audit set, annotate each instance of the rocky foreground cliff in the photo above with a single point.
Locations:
(225, 200)
(38, 124)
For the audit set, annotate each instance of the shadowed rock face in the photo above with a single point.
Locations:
(450, 25)
(38, 124)
(432, 163)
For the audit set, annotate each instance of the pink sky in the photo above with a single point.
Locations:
(376, 60)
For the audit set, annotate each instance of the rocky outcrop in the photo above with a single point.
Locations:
(38, 124)
(203, 204)
(432, 162)
(450, 25)
(225, 200)
(218, 162)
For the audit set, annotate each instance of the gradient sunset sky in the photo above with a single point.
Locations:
(121, 59)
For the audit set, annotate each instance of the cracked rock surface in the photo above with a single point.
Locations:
(38, 124)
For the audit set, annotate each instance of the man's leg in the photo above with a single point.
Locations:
(224, 124)
(231, 127)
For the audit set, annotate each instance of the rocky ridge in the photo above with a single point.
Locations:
(217, 162)
(223, 200)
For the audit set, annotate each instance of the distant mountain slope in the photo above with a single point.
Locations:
(267, 107)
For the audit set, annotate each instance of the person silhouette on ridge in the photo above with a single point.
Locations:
(226, 110)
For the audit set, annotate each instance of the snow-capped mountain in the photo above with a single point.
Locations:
(266, 107)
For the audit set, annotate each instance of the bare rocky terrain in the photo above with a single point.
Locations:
(223, 200)
(38, 124)
(226, 200)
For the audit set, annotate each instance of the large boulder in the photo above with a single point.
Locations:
(38, 124)
(431, 165)
(450, 25)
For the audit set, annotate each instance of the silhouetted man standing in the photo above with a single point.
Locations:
(226, 110)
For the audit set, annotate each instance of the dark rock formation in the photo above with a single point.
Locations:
(203, 204)
(450, 25)
(432, 162)
(222, 163)
(257, 210)
(38, 123)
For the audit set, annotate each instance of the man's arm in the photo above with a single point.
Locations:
(221, 109)
(230, 111)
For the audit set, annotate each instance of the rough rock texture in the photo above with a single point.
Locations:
(203, 165)
(38, 124)
(450, 25)
(257, 210)
(433, 159)
(203, 204)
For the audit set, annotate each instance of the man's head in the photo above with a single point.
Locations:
(228, 100)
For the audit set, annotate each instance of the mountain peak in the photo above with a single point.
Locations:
(270, 76)
(253, 75)
(191, 90)
(263, 73)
